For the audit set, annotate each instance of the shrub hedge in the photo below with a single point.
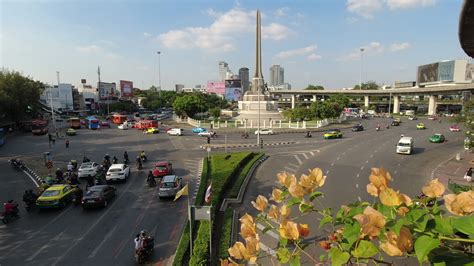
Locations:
(225, 241)
(201, 246)
(240, 179)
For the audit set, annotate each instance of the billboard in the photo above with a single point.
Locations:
(106, 90)
(217, 87)
(428, 73)
(233, 94)
(446, 71)
(126, 88)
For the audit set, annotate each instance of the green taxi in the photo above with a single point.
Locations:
(420, 126)
(71, 132)
(332, 134)
(56, 196)
(437, 138)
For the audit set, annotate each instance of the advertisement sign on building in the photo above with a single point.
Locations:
(126, 88)
(106, 90)
(217, 87)
(428, 73)
(446, 71)
(83, 81)
(233, 90)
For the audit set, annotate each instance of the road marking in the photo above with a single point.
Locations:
(366, 161)
(298, 159)
(398, 164)
(269, 232)
(290, 169)
(358, 175)
(332, 164)
(371, 156)
(327, 172)
(312, 153)
(395, 172)
(359, 198)
(338, 158)
(32, 257)
(268, 250)
(344, 153)
(362, 168)
(305, 156)
(357, 185)
(294, 165)
(109, 234)
(32, 178)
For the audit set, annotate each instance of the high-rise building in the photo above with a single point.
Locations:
(276, 75)
(179, 87)
(223, 69)
(244, 77)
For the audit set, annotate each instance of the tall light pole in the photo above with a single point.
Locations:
(159, 73)
(360, 77)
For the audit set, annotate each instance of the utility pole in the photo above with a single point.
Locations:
(159, 74)
(360, 77)
(98, 84)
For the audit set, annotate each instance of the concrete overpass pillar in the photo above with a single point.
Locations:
(366, 101)
(314, 98)
(293, 101)
(432, 105)
(396, 104)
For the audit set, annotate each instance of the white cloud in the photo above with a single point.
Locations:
(400, 4)
(370, 49)
(146, 34)
(313, 57)
(300, 51)
(395, 47)
(219, 36)
(364, 8)
(89, 49)
(281, 12)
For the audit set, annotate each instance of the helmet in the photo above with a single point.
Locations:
(143, 233)
(138, 156)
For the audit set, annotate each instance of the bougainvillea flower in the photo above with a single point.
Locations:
(303, 230)
(289, 230)
(461, 204)
(371, 221)
(397, 245)
(433, 189)
(276, 195)
(274, 212)
(261, 203)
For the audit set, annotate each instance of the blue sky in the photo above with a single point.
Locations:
(317, 42)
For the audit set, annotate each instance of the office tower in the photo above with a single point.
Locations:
(244, 77)
(276, 75)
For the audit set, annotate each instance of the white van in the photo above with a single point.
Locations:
(405, 145)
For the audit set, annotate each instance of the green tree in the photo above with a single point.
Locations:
(124, 106)
(370, 85)
(17, 94)
(215, 112)
(314, 87)
(188, 105)
(468, 114)
(340, 99)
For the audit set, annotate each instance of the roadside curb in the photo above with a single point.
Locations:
(32, 174)
(245, 145)
(345, 125)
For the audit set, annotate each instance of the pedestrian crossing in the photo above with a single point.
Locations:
(297, 159)
(194, 166)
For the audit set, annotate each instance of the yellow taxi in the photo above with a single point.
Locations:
(152, 130)
(332, 134)
(56, 196)
(420, 126)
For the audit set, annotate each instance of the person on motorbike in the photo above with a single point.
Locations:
(139, 162)
(308, 134)
(125, 157)
(115, 160)
(90, 181)
(378, 127)
(150, 179)
(143, 156)
(11, 208)
(85, 159)
(59, 173)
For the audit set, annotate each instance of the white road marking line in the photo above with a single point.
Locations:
(358, 175)
(398, 164)
(395, 172)
(366, 161)
(32, 257)
(109, 234)
(332, 164)
(268, 250)
(312, 153)
(357, 185)
(371, 156)
(359, 198)
(361, 168)
(298, 159)
(318, 151)
(269, 232)
(294, 165)
(338, 158)
(305, 156)
(327, 172)
(344, 153)
(32, 178)
(290, 169)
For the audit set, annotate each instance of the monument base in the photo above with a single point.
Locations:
(249, 109)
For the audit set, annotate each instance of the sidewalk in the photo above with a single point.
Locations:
(454, 169)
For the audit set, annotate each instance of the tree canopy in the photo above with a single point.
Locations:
(314, 87)
(18, 94)
(370, 85)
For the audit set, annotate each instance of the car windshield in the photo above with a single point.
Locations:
(161, 168)
(168, 185)
(403, 144)
(50, 193)
(114, 170)
(93, 193)
(86, 165)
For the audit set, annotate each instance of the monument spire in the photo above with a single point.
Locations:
(258, 55)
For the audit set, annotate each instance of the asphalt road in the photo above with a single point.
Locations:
(347, 163)
(105, 236)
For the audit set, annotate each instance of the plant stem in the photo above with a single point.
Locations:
(381, 261)
(307, 254)
(456, 239)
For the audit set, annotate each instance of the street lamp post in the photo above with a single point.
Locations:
(360, 77)
(159, 73)
(258, 123)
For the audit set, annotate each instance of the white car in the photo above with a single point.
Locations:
(123, 126)
(207, 134)
(89, 168)
(175, 132)
(264, 131)
(118, 172)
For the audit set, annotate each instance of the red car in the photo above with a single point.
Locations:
(454, 128)
(162, 168)
(105, 124)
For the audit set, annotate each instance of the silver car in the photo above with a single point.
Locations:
(169, 186)
(89, 168)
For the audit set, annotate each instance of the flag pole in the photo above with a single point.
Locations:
(190, 227)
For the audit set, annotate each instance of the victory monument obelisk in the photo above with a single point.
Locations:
(257, 105)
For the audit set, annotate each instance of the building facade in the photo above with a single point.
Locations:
(244, 78)
(178, 87)
(277, 74)
(223, 69)
(61, 97)
(451, 71)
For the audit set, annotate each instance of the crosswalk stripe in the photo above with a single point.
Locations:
(298, 159)
(312, 153)
(269, 232)
(294, 165)
(268, 250)
(290, 169)
(305, 156)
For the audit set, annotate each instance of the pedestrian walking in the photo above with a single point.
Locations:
(67, 143)
(468, 175)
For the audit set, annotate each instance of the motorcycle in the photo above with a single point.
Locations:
(30, 205)
(139, 166)
(377, 129)
(151, 182)
(143, 158)
(7, 217)
(144, 254)
(17, 164)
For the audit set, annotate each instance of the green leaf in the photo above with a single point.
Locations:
(350, 234)
(423, 246)
(305, 207)
(443, 225)
(266, 229)
(295, 261)
(324, 221)
(338, 257)
(396, 227)
(322, 257)
(293, 201)
(421, 224)
(444, 256)
(464, 224)
(364, 249)
(283, 255)
(283, 242)
(314, 195)
(415, 214)
(385, 210)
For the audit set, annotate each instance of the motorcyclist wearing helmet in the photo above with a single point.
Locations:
(115, 160)
(150, 179)
(139, 162)
(125, 157)
(11, 208)
(143, 156)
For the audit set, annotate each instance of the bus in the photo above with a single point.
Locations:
(145, 124)
(92, 122)
(39, 127)
(118, 119)
(2, 136)
(74, 122)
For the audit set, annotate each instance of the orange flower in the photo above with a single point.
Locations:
(246, 219)
(285, 211)
(379, 179)
(229, 262)
(405, 199)
(289, 230)
(389, 197)
(284, 179)
(316, 175)
(247, 252)
(433, 189)
(274, 212)
(461, 204)
(261, 203)
(326, 245)
(403, 210)
(307, 183)
(371, 221)
(303, 230)
(247, 230)
(237, 250)
(397, 245)
(372, 190)
(276, 195)
(296, 190)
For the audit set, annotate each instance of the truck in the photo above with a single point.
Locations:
(405, 145)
